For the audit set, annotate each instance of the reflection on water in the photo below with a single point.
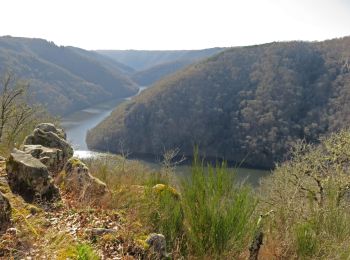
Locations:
(87, 154)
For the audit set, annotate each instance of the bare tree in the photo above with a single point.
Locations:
(124, 153)
(15, 113)
(171, 159)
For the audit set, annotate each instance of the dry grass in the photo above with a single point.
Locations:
(61, 231)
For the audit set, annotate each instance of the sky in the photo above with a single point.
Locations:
(173, 24)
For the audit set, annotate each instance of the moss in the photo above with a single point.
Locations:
(141, 241)
(74, 161)
(33, 209)
(108, 238)
(4, 188)
(159, 188)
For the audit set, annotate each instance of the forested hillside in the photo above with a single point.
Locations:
(246, 104)
(64, 79)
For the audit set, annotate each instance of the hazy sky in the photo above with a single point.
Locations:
(176, 24)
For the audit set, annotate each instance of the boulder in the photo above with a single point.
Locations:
(49, 136)
(157, 243)
(29, 177)
(77, 180)
(48, 127)
(53, 158)
(5, 213)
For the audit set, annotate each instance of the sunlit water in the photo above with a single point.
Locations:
(77, 124)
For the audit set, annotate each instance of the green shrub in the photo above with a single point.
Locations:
(218, 211)
(85, 252)
(167, 218)
(306, 239)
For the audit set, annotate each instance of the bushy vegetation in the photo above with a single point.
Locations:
(218, 211)
(208, 213)
(310, 198)
(303, 207)
(245, 104)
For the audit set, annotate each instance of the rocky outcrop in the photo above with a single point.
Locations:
(77, 180)
(53, 158)
(29, 177)
(43, 155)
(48, 136)
(48, 127)
(5, 213)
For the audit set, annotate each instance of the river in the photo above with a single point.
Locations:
(77, 124)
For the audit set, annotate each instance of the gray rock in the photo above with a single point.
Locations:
(50, 140)
(78, 180)
(2, 159)
(5, 213)
(53, 158)
(48, 127)
(29, 177)
(101, 231)
(157, 243)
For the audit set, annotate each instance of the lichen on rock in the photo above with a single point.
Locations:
(77, 180)
(47, 135)
(53, 158)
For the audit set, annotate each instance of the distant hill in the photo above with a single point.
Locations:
(143, 59)
(149, 76)
(64, 78)
(246, 104)
(150, 66)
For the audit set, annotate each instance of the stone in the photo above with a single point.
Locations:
(53, 158)
(78, 181)
(157, 243)
(101, 231)
(13, 231)
(48, 127)
(255, 246)
(29, 177)
(5, 213)
(50, 140)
